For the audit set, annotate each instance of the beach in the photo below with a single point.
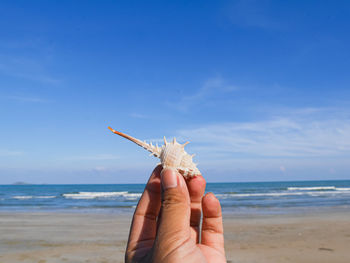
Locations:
(47, 237)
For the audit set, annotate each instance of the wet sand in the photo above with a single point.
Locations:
(72, 237)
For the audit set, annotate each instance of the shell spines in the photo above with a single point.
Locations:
(148, 147)
(171, 154)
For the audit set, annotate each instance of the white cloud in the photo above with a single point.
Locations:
(96, 157)
(282, 137)
(4, 153)
(100, 169)
(210, 88)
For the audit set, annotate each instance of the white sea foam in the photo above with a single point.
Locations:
(33, 197)
(343, 189)
(22, 197)
(93, 195)
(259, 194)
(133, 196)
(311, 193)
(316, 188)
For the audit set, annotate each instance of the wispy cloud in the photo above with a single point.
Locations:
(139, 116)
(253, 13)
(26, 68)
(33, 44)
(100, 169)
(97, 157)
(210, 88)
(4, 153)
(281, 137)
(27, 99)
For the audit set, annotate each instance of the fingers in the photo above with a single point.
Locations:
(173, 229)
(196, 188)
(212, 228)
(143, 227)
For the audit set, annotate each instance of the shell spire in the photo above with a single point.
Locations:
(149, 147)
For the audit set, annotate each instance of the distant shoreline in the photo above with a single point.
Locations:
(209, 182)
(21, 183)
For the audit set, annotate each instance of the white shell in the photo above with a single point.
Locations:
(171, 155)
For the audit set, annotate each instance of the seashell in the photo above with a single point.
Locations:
(171, 155)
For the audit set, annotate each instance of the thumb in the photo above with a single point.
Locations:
(174, 221)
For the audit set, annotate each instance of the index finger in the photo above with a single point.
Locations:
(144, 223)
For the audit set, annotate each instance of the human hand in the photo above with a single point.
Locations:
(166, 222)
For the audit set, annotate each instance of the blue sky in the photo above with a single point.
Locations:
(261, 89)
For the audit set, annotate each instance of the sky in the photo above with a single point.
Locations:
(261, 89)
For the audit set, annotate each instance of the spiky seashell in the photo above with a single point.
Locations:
(171, 155)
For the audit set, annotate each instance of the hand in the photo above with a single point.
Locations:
(166, 222)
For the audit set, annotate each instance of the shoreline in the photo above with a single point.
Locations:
(229, 211)
(49, 237)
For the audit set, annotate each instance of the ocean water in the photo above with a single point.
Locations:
(238, 198)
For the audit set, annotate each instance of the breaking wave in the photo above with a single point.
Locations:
(33, 197)
(316, 188)
(95, 195)
(339, 191)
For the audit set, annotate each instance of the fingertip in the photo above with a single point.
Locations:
(211, 205)
(157, 171)
(196, 178)
(196, 185)
(210, 196)
(169, 178)
(199, 179)
(153, 183)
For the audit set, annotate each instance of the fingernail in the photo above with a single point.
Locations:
(168, 178)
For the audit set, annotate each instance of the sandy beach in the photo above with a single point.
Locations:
(76, 237)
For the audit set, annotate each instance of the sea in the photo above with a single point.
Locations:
(235, 198)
